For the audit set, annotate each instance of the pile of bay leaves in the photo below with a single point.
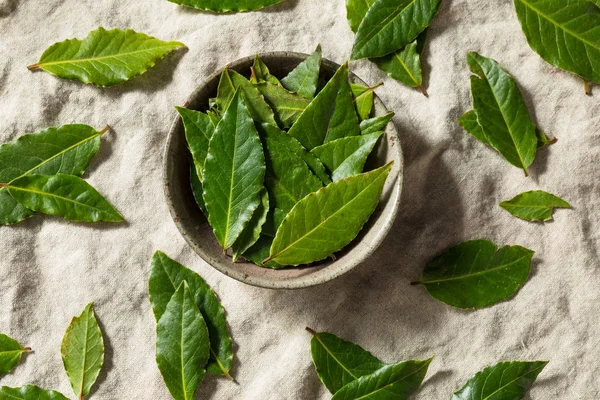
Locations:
(278, 164)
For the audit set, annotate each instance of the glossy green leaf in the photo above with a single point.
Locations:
(389, 25)
(29, 392)
(391, 382)
(224, 6)
(287, 106)
(510, 380)
(564, 33)
(536, 205)
(501, 111)
(82, 351)
(347, 156)
(304, 79)
(104, 58)
(331, 115)
(233, 173)
(165, 277)
(356, 11)
(375, 124)
(475, 274)
(10, 353)
(182, 345)
(65, 195)
(325, 221)
(67, 149)
(199, 128)
(339, 362)
(229, 83)
(197, 190)
(261, 73)
(363, 99)
(252, 231)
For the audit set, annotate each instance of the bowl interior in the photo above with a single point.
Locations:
(197, 232)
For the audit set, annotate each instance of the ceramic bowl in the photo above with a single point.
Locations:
(195, 228)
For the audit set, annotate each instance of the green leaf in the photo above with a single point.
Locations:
(10, 353)
(104, 58)
(197, 189)
(29, 392)
(356, 11)
(199, 128)
(347, 156)
(65, 195)
(67, 149)
(304, 79)
(475, 274)
(375, 124)
(233, 173)
(536, 205)
(324, 222)
(224, 6)
(287, 106)
(339, 362)
(501, 111)
(182, 345)
(261, 73)
(331, 115)
(393, 381)
(363, 99)
(510, 380)
(389, 25)
(82, 351)
(229, 83)
(564, 33)
(166, 275)
(252, 231)
(260, 251)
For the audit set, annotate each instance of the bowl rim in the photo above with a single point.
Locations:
(296, 282)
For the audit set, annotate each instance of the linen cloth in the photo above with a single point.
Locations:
(50, 268)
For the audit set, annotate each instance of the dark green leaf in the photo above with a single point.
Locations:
(375, 124)
(197, 189)
(261, 73)
(165, 277)
(199, 128)
(82, 351)
(252, 231)
(475, 274)
(104, 58)
(356, 11)
(304, 79)
(536, 205)
(29, 392)
(287, 106)
(363, 99)
(65, 195)
(223, 6)
(260, 251)
(510, 380)
(10, 353)
(324, 222)
(182, 345)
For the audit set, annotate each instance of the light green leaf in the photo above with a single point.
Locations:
(536, 205)
(564, 33)
(331, 115)
(475, 274)
(501, 111)
(324, 222)
(363, 99)
(347, 156)
(197, 189)
(287, 106)
(394, 381)
(261, 73)
(233, 173)
(252, 231)
(10, 353)
(104, 58)
(182, 345)
(339, 362)
(199, 128)
(304, 79)
(510, 380)
(65, 195)
(165, 277)
(356, 11)
(375, 124)
(82, 351)
(29, 392)
(67, 149)
(389, 25)
(224, 6)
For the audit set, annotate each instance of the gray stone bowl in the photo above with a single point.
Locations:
(195, 228)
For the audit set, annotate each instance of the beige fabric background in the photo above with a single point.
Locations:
(49, 268)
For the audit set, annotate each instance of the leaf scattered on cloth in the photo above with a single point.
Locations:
(536, 205)
(225, 6)
(10, 353)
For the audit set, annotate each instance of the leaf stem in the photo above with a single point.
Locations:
(312, 332)
(33, 67)
(415, 283)
(587, 88)
(423, 91)
(104, 130)
(3, 185)
(26, 348)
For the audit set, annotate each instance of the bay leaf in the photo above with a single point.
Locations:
(104, 57)
(233, 173)
(475, 274)
(252, 231)
(287, 106)
(347, 156)
(510, 380)
(536, 205)
(375, 124)
(225, 6)
(339, 362)
(501, 112)
(261, 73)
(363, 99)
(260, 251)
(356, 11)
(389, 25)
(29, 392)
(331, 115)
(199, 128)
(197, 190)
(325, 221)
(182, 345)
(304, 79)
(166, 275)
(65, 195)
(67, 149)
(10, 353)
(393, 381)
(564, 33)
(82, 352)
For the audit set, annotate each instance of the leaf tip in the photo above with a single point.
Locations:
(423, 91)
(587, 88)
